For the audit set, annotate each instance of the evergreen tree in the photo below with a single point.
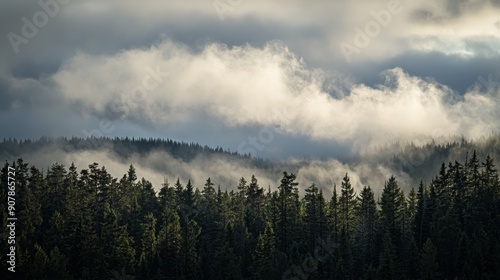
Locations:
(388, 263)
(264, 262)
(333, 214)
(169, 243)
(117, 245)
(288, 211)
(393, 207)
(88, 224)
(422, 217)
(148, 260)
(57, 265)
(190, 267)
(428, 262)
(366, 233)
(347, 207)
(38, 269)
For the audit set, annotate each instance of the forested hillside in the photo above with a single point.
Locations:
(121, 146)
(86, 224)
(412, 162)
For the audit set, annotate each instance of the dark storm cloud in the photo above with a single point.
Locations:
(458, 72)
(450, 9)
(427, 41)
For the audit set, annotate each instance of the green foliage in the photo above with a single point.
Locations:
(428, 262)
(87, 224)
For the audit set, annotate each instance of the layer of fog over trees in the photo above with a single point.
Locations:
(86, 224)
(159, 160)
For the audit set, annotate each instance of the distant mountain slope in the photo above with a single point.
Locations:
(420, 162)
(121, 146)
(160, 159)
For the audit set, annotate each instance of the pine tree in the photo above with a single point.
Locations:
(263, 258)
(116, 243)
(366, 232)
(333, 215)
(288, 211)
(38, 268)
(190, 266)
(55, 231)
(29, 213)
(255, 208)
(169, 243)
(84, 225)
(147, 198)
(56, 191)
(347, 208)
(57, 265)
(393, 207)
(422, 216)
(212, 221)
(428, 262)
(148, 257)
(388, 263)
(412, 203)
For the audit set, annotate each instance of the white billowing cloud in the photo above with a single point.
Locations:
(168, 83)
(316, 28)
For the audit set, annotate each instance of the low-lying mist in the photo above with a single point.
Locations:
(407, 162)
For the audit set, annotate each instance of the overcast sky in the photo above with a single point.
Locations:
(272, 78)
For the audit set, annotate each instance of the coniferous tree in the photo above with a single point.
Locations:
(393, 208)
(97, 224)
(190, 267)
(312, 216)
(428, 262)
(116, 243)
(38, 269)
(388, 261)
(422, 216)
(57, 265)
(288, 211)
(169, 243)
(347, 208)
(333, 214)
(148, 261)
(264, 262)
(366, 233)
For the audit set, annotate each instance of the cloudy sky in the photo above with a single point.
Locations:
(272, 78)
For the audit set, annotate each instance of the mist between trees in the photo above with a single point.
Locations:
(86, 223)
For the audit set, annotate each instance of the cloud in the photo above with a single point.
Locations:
(327, 173)
(100, 52)
(169, 83)
(158, 166)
